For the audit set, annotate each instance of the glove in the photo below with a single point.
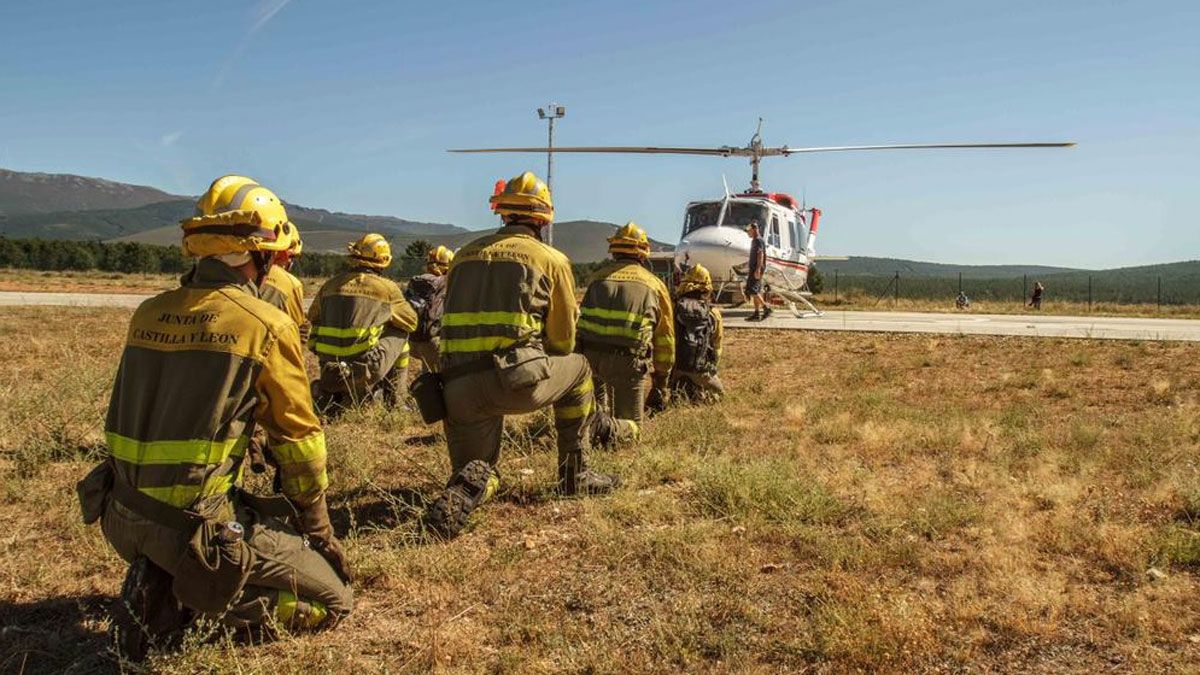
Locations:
(314, 524)
(659, 396)
(256, 453)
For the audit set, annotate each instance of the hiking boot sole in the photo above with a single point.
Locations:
(447, 516)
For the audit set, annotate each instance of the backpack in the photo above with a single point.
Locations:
(693, 336)
(427, 295)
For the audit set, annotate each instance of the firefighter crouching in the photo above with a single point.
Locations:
(507, 343)
(427, 295)
(361, 323)
(202, 365)
(698, 334)
(625, 331)
(283, 290)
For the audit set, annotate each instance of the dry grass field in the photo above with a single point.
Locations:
(858, 503)
(856, 300)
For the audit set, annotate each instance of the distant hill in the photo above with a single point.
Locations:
(25, 193)
(868, 266)
(581, 240)
(59, 206)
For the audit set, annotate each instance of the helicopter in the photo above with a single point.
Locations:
(714, 231)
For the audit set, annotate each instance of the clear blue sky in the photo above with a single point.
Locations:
(350, 106)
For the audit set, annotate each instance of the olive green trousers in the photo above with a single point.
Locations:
(477, 403)
(619, 381)
(285, 570)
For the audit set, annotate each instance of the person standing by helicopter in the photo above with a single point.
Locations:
(1035, 300)
(758, 265)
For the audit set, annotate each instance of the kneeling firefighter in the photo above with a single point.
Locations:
(698, 335)
(283, 290)
(427, 295)
(361, 324)
(508, 336)
(625, 330)
(202, 365)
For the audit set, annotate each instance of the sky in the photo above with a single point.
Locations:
(351, 105)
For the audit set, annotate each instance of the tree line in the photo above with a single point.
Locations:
(137, 258)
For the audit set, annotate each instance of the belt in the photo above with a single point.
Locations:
(151, 509)
(606, 348)
(468, 368)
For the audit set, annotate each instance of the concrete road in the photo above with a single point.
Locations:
(21, 298)
(1041, 325)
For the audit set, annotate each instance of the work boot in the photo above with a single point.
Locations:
(755, 316)
(467, 490)
(574, 478)
(147, 615)
(767, 312)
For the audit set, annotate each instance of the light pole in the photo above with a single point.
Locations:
(550, 113)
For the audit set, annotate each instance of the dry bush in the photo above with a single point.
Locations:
(857, 503)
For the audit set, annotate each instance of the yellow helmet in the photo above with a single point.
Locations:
(438, 260)
(237, 215)
(526, 196)
(696, 278)
(371, 250)
(630, 239)
(297, 246)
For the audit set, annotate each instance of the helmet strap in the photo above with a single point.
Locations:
(262, 264)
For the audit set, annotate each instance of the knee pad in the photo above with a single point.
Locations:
(296, 613)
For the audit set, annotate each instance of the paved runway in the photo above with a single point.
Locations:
(1043, 325)
(965, 323)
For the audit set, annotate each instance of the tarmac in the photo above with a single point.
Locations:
(964, 323)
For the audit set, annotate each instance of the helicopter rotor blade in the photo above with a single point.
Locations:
(785, 151)
(642, 150)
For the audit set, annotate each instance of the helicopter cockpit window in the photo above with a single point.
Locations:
(739, 215)
(773, 233)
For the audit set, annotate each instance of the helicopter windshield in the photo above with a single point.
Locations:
(739, 214)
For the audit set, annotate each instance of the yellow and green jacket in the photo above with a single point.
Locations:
(505, 288)
(351, 311)
(627, 306)
(282, 289)
(201, 363)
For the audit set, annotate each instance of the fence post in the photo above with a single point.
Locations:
(960, 282)
(1160, 293)
(1024, 288)
(835, 287)
(1089, 293)
(896, 302)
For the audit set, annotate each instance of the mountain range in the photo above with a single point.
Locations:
(64, 206)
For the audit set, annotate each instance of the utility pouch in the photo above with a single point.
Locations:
(427, 390)
(521, 366)
(212, 571)
(93, 491)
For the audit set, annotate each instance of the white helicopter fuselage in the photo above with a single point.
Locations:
(714, 235)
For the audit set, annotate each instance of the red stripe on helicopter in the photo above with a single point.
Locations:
(787, 263)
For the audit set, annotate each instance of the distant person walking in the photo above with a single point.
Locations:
(758, 265)
(1035, 300)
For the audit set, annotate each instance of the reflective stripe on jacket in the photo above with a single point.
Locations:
(283, 290)
(625, 305)
(505, 288)
(351, 311)
(200, 363)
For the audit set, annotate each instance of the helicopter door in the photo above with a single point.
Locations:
(794, 229)
(773, 236)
